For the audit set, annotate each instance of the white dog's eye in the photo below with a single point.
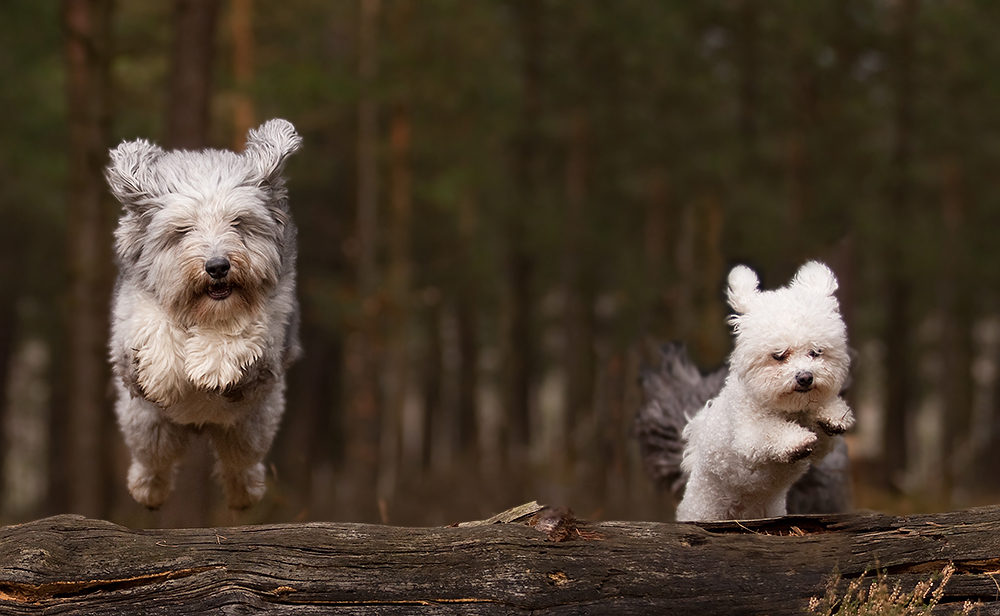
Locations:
(815, 353)
(782, 356)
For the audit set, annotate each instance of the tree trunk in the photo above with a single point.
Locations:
(542, 561)
(521, 345)
(898, 354)
(469, 340)
(397, 369)
(241, 30)
(438, 446)
(747, 33)
(190, 86)
(578, 280)
(362, 420)
(87, 24)
(957, 354)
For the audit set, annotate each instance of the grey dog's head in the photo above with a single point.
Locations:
(208, 233)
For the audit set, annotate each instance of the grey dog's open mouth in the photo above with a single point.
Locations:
(220, 291)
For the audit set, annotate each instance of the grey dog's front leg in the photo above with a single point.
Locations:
(157, 445)
(240, 448)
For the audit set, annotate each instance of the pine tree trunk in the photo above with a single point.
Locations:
(192, 56)
(364, 347)
(899, 325)
(521, 347)
(956, 341)
(87, 24)
(241, 31)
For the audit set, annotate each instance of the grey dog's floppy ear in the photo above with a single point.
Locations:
(130, 173)
(269, 145)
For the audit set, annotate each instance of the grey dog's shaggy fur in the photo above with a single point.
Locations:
(204, 318)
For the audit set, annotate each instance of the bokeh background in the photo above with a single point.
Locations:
(504, 207)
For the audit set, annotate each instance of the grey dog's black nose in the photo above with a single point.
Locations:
(217, 267)
(804, 379)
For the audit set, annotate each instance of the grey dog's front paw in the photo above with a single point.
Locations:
(148, 487)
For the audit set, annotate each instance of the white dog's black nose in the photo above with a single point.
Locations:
(804, 379)
(217, 267)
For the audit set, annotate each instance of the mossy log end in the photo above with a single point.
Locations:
(542, 561)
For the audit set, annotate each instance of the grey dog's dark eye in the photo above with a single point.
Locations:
(782, 356)
(815, 353)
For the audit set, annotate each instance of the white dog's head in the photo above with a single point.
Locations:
(207, 233)
(791, 343)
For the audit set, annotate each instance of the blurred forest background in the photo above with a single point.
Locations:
(504, 207)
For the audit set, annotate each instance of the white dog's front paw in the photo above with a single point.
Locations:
(836, 418)
(836, 425)
(798, 449)
(148, 487)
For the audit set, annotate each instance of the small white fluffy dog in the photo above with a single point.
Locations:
(780, 405)
(204, 318)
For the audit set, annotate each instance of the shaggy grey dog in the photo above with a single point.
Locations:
(675, 391)
(205, 318)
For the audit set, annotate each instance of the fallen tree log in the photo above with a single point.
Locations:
(541, 561)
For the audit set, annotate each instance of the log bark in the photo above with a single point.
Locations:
(545, 562)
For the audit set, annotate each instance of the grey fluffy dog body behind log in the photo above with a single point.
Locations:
(204, 317)
(674, 391)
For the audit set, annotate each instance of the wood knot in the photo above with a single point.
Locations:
(559, 524)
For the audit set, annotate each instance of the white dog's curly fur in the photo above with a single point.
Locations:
(204, 318)
(780, 405)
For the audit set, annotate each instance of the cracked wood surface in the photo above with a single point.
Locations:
(548, 563)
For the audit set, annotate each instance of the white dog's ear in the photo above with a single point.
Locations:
(269, 145)
(130, 173)
(815, 277)
(742, 288)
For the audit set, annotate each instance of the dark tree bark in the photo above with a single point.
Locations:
(957, 337)
(747, 44)
(468, 363)
(397, 362)
(521, 347)
(241, 31)
(469, 339)
(191, 59)
(364, 348)
(87, 405)
(437, 447)
(543, 562)
(899, 324)
(578, 279)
